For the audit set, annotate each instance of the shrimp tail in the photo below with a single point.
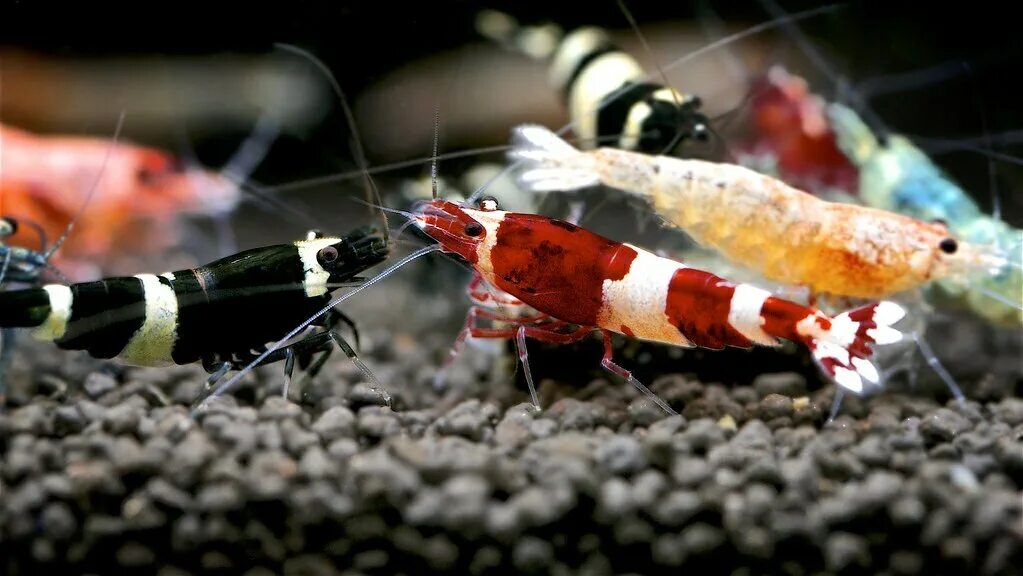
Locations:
(551, 163)
(841, 347)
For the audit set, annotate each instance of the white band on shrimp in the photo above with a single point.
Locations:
(744, 314)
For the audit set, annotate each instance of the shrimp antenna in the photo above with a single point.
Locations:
(242, 164)
(751, 31)
(340, 176)
(436, 141)
(92, 190)
(714, 27)
(818, 60)
(372, 193)
(978, 101)
(677, 138)
(230, 383)
(902, 81)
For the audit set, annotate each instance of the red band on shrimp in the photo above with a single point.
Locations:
(698, 304)
(538, 258)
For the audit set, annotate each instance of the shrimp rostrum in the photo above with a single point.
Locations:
(579, 283)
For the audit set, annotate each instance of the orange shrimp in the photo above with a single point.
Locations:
(47, 180)
(761, 222)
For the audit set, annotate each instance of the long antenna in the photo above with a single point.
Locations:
(818, 60)
(99, 178)
(230, 383)
(901, 81)
(436, 144)
(978, 100)
(664, 77)
(337, 177)
(372, 193)
(751, 31)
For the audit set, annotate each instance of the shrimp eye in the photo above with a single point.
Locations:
(948, 245)
(327, 255)
(488, 204)
(473, 229)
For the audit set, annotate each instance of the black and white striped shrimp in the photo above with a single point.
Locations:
(606, 91)
(593, 111)
(221, 314)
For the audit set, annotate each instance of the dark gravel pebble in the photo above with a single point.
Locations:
(99, 383)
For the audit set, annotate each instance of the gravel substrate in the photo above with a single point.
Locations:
(102, 470)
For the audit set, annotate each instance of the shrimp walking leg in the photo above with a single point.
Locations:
(318, 343)
(324, 342)
(342, 317)
(608, 363)
(216, 375)
(475, 313)
(520, 347)
(289, 369)
(527, 328)
(347, 349)
(935, 365)
(836, 404)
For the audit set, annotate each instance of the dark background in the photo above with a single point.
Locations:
(362, 41)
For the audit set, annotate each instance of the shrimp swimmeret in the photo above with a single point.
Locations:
(761, 222)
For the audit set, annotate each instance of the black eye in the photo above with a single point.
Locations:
(473, 229)
(949, 245)
(327, 255)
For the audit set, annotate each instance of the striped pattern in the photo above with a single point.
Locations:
(579, 277)
(601, 78)
(607, 96)
(635, 304)
(223, 309)
(59, 299)
(153, 343)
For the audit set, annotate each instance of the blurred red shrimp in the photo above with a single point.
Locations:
(47, 179)
(792, 135)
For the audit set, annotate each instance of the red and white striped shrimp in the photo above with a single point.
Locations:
(761, 222)
(580, 282)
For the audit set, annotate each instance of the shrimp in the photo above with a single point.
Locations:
(206, 314)
(792, 136)
(896, 175)
(580, 282)
(760, 222)
(45, 180)
(604, 88)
